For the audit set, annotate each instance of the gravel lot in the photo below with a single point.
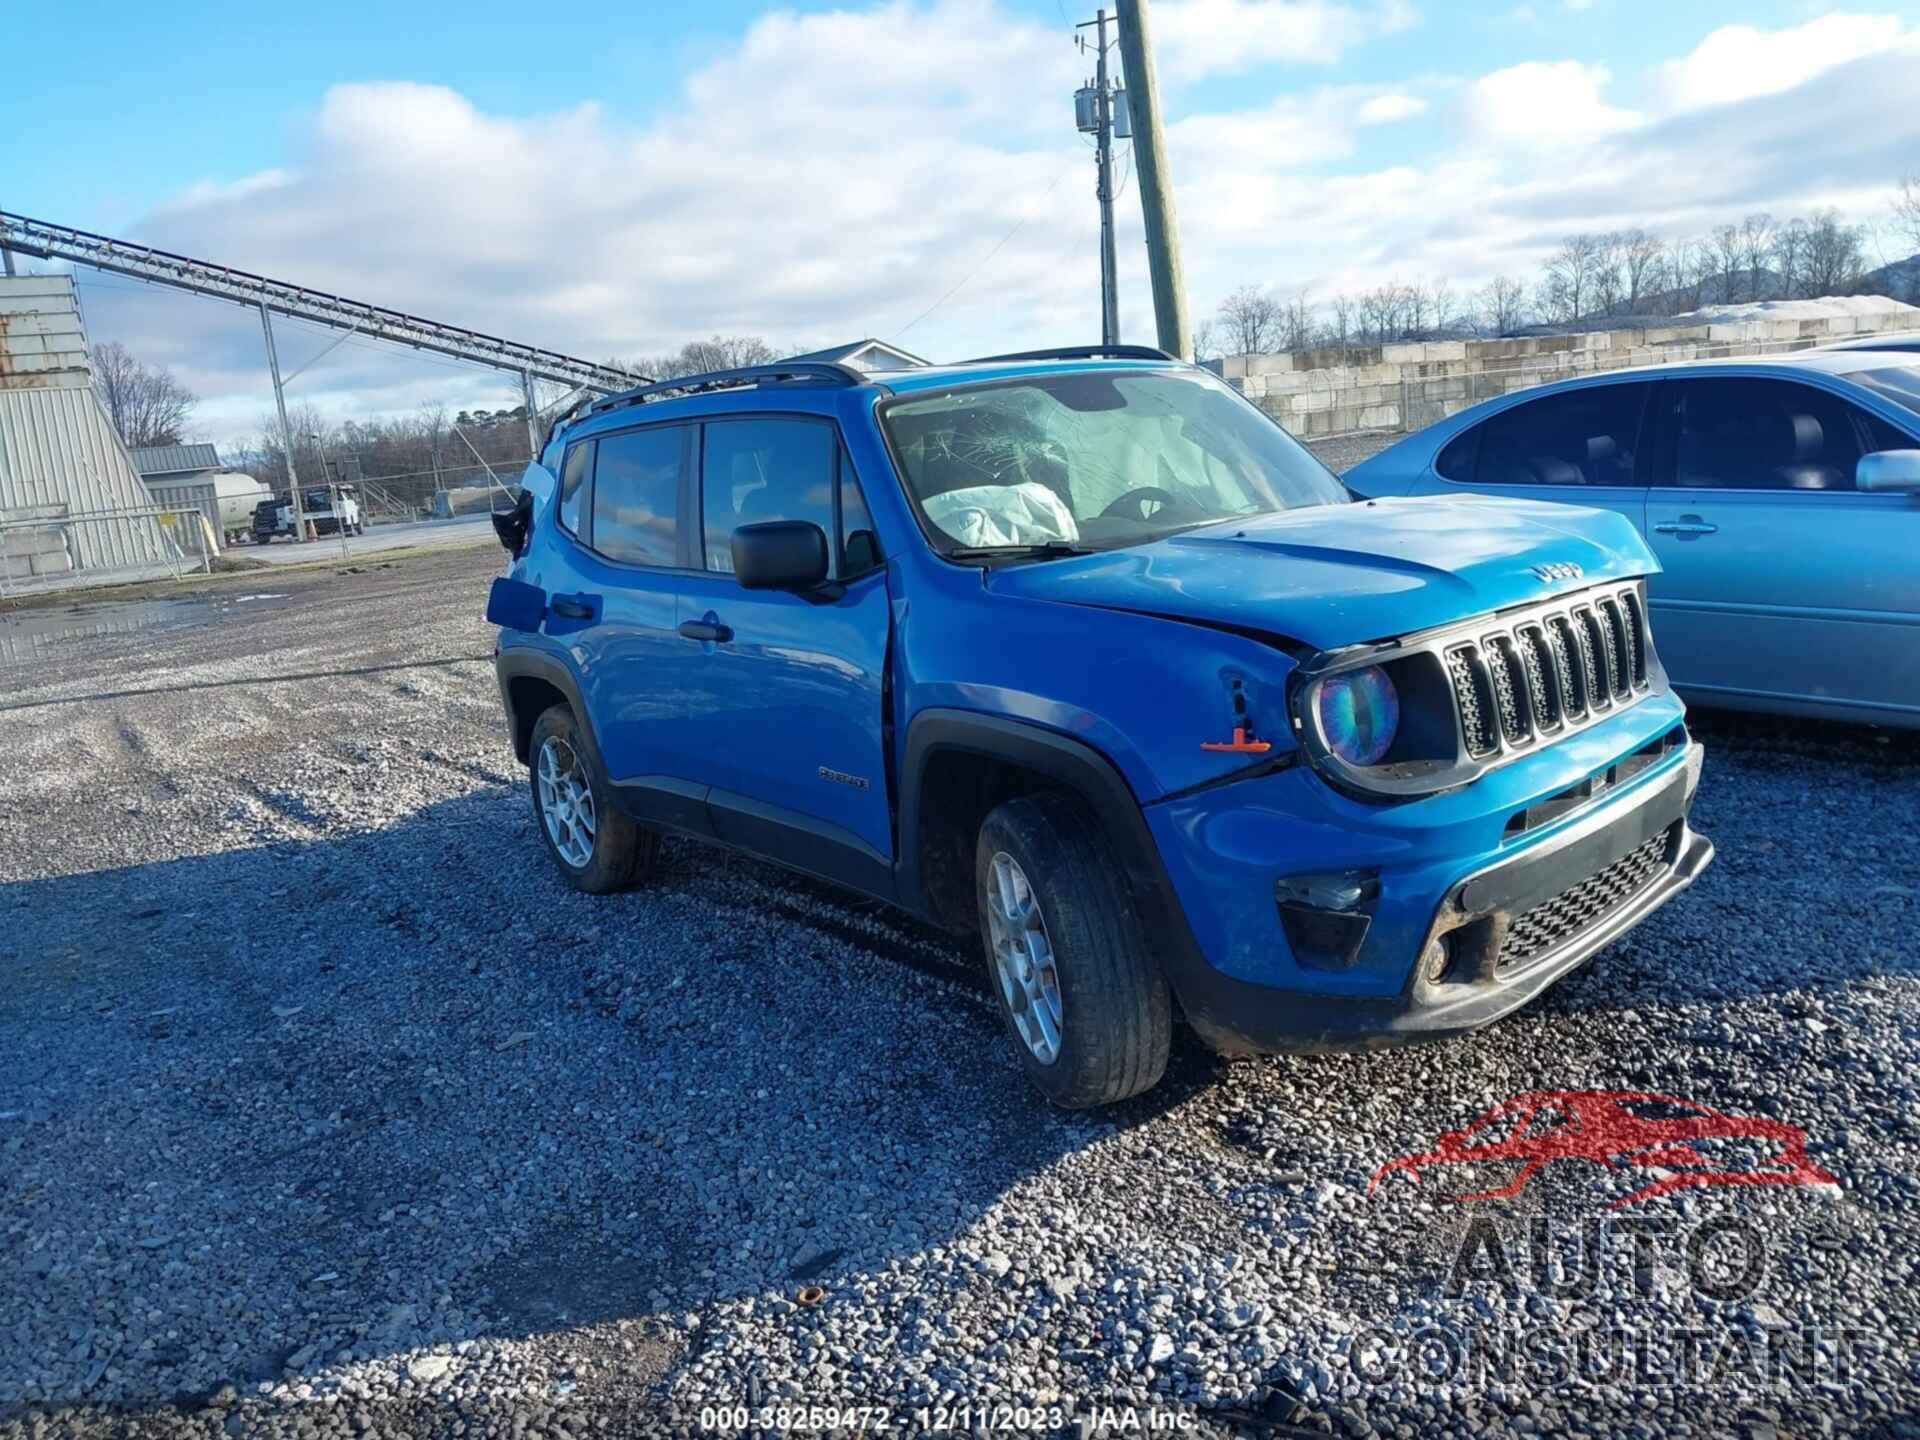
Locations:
(325, 1109)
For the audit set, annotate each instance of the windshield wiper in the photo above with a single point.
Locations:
(1044, 550)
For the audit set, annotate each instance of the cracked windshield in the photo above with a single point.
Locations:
(1093, 462)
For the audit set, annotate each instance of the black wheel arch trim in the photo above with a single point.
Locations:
(1087, 773)
(523, 662)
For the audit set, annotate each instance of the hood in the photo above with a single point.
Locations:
(1335, 575)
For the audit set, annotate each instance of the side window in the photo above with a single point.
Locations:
(859, 544)
(1738, 434)
(1578, 437)
(1456, 461)
(636, 496)
(756, 470)
(573, 485)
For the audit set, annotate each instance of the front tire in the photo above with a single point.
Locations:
(1089, 1013)
(597, 848)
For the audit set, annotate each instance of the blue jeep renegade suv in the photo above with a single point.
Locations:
(1081, 652)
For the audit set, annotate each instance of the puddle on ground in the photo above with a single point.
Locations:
(27, 635)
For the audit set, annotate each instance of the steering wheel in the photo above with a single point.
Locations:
(1133, 504)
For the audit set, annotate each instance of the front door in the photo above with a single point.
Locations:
(1781, 581)
(792, 693)
(1577, 446)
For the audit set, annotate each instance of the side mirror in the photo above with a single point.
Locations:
(780, 555)
(1889, 472)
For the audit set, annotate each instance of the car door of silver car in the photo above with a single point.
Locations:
(1784, 586)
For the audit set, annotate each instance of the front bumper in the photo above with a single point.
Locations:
(1510, 928)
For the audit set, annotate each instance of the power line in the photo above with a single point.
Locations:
(1018, 226)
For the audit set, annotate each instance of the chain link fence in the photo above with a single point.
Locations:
(63, 549)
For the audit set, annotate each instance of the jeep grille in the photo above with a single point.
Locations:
(1498, 687)
(1548, 671)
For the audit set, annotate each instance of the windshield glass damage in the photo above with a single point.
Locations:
(1095, 460)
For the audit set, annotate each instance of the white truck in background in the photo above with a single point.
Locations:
(276, 519)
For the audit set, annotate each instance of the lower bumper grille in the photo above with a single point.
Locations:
(1551, 923)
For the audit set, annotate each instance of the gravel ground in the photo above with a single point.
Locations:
(325, 1109)
(1342, 454)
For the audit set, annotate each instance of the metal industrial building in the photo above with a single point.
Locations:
(71, 500)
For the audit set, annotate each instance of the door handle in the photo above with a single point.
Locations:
(1687, 525)
(573, 607)
(706, 630)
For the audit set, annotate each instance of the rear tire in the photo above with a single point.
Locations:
(1107, 1016)
(597, 849)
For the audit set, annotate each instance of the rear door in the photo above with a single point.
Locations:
(792, 701)
(1782, 581)
(1577, 446)
(623, 502)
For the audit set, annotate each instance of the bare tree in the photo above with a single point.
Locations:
(1503, 304)
(1250, 320)
(1296, 322)
(1206, 341)
(1906, 209)
(1756, 244)
(1340, 327)
(1836, 254)
(1728, 250)
(1643, 265)
(1570, 275)
(1694, 265)
(1788, 257)
(717, 352)
(148, 406)
(1609, 279)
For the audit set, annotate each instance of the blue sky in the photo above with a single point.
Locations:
(814, 172)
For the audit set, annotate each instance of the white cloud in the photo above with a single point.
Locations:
(1738, 62)
(1391, 107)
(1197, 38)
(1545, 103)
(831, 176)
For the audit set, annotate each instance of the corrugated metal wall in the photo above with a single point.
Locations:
(59, 451)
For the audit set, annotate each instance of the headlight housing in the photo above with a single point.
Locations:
(1359, 714)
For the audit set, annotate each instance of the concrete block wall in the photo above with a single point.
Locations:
(1404, 386)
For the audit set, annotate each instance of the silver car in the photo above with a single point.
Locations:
(1781, 495)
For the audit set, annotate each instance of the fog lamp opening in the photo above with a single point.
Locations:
(1326, 917)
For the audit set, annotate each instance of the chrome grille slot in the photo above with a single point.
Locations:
(1592, 648)
(1473, 693)
(1536, 658)
(1619, 646)
(1636, 633)
(1509, 690)
(1566, 660)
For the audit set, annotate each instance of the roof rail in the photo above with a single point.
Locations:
(816, 371)
(1079, 352)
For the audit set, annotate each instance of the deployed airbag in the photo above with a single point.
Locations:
(1024, 514)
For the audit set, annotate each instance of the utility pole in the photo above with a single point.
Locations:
(533, 417)
(286, 430)
(1155, 180)
(330, 473)
(1102, 126)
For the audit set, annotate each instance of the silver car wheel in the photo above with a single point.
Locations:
(1023, 962)
(566, 802)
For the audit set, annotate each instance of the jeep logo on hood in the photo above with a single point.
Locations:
(1564, 571)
